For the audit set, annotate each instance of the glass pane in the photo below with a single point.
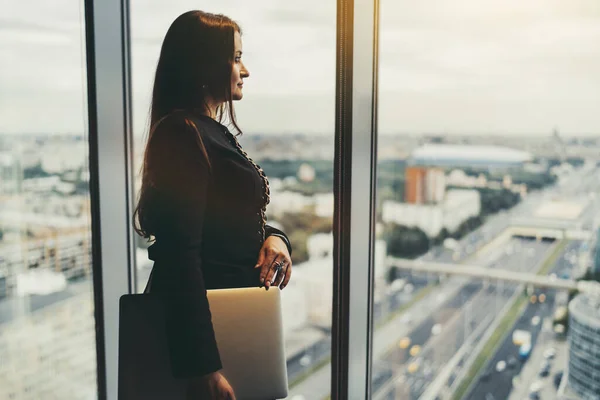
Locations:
(47, 334)
(287, 116)
(489, 148)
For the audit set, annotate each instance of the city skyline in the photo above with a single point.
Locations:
(466, 67)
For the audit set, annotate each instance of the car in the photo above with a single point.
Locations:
(536, 386)
(305, 360)
(549, 353)
(545, 370)
(525, 351)
(534, 396)
(485, 376)
(535, 321)
(416, 349)
(534, 390)
(404, 343)
(558, 379)
(512, 362)
(542, 297)
(500, 365)
(413, 367)
(436, 329)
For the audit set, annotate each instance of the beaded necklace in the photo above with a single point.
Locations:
(265, 182)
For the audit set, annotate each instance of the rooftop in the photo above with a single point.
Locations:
(586, 308)
(560, 209)
(454, 154)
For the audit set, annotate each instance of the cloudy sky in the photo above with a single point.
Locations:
(460, 66)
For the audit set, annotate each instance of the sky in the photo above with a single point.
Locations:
(462, 66)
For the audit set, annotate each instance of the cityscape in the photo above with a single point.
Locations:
(447, 201)
(486, 237)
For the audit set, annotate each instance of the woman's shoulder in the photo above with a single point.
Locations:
(187, 120)
(186, 124)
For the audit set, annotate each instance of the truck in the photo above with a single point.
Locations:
(525, 351)
(521, 337)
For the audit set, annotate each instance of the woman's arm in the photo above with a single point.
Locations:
(180, 178)
(271, 231)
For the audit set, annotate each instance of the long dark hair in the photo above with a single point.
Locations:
(196, 62)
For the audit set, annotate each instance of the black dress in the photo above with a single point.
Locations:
(205, 206)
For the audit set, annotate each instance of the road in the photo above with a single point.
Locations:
(500, 383)
(465, 318)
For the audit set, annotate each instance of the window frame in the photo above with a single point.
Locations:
(111, 177)
(354, 213)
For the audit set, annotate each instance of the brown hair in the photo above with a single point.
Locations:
(196, 61)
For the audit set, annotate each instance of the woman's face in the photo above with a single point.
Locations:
(239, 71)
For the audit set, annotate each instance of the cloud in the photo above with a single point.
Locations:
(465, 65)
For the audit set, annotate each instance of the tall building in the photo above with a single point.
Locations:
(11, 174)
(596, 260)
(584, 346)
(424, 185)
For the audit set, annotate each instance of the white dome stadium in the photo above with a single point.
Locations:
(467, 155)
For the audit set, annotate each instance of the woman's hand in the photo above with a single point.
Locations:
(275, 263)
(210, 387)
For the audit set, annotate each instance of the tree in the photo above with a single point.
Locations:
(406, 242)
(298, 239)
(443, 235)
(305, 221)
(392, 274)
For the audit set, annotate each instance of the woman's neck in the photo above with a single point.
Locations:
(211, 107)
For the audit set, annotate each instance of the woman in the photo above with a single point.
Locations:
(203, 200)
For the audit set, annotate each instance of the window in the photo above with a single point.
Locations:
(488, 157)
(287, 116)
(47, 335)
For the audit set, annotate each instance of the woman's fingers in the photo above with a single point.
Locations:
(271, 273)
(265, 266)
(277, 272)
(275, 268)
(288, 275)
(281, 274)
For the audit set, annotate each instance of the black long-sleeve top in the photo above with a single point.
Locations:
(204, 208)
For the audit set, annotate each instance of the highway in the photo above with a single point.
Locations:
(500, 383)
(463, 313)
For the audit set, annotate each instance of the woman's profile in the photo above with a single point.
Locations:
(203, 200)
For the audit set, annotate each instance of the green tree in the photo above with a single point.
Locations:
(298, 239)
(406, 242)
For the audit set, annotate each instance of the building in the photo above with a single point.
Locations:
(584, 346)
(321, 204)
(11, 174)
(596, 261)
(424, 185)
(457, 207)
(451, 155)
(313, 283)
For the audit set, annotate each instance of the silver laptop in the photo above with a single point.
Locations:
(249, 332)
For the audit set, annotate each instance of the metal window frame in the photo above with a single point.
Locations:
(111, 177)
(354, 217)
